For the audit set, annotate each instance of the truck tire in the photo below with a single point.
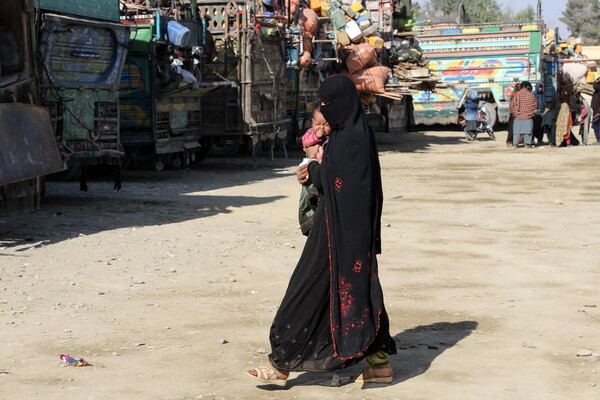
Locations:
(492, 113)
(222, 148)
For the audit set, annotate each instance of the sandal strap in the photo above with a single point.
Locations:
(266, 372)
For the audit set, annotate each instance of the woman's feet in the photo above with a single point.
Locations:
(269, 375)
(379, 375)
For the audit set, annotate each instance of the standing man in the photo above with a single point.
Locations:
(525, 109)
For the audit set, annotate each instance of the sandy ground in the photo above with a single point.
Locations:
(491, 272)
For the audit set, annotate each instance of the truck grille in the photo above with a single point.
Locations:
(162, 124)
(56, 117)
(194, 120)
(106, 121)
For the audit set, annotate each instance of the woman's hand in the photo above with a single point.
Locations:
(302, 174)
(311, 152)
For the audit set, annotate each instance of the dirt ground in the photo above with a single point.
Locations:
(490, 269)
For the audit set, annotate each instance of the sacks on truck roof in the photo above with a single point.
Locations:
(310, 22)
(292, 5)
(305, 59)
(307, 45)
(574, 72)
(371, 79)
(360, 56)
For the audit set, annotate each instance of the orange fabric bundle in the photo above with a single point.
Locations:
(371, 79)
(310, 22)
(360, 56)
(307, 45)
(305, 59)
(292, 5)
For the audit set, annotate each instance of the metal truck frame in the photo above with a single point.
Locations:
(251, 46)
(28, 149)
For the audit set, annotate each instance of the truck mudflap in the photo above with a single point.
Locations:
(27, 144)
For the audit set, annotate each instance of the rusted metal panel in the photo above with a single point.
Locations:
(27, 144)
(107, 10)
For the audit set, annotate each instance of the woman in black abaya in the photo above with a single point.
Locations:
(332, 314)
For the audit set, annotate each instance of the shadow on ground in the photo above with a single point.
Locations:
(66, 217)
(417, 349)
(421, 138)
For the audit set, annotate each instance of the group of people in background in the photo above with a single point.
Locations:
(531, 118)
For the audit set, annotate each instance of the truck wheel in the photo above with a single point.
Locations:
(198, 155)
(223, 149)
(492, 113)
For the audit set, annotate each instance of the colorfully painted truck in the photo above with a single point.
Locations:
(488, 58)
(28, 150)
(82, 49)
(161, 87)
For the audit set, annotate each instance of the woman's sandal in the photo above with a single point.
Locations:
(374, 379)
(267, 374)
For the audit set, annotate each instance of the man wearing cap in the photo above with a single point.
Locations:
(525, 108)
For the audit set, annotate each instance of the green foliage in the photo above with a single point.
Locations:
(582, 17)
(418, 10)
(477, 10)
(527, 14)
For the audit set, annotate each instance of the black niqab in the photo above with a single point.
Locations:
(332, 313)
(351, 179)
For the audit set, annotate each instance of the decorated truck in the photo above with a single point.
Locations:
(28, 150)
(371, 42)
(161, 87)
(248, 51)
(487, 58)
(82, 49)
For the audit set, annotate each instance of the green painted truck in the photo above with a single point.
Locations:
(83, 49)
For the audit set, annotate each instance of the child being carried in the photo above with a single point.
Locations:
(312, 142)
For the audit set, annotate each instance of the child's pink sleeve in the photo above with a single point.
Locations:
(310, 138)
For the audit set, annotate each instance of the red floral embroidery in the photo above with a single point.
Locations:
(338, 184)
(373, 273)
(349, 325)
(357, 266)
(346, 298)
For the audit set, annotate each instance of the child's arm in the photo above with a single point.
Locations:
(310, 138)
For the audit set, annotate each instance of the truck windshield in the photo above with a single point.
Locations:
(12, 60)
